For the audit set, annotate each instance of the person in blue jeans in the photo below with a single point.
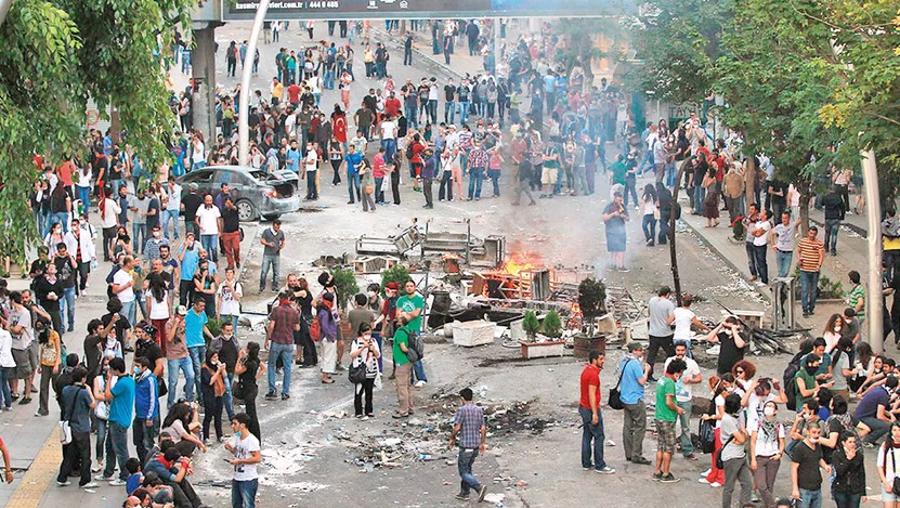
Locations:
(284, 320)
(354, 159)
(121, 413)
(246, 450)
(592, 435)
(177, 357)
(469, 427)
(66, 269)
(194, 331)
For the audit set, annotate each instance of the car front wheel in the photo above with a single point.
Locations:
(246, 212)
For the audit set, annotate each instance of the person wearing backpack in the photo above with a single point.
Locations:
(403, 368)
(412, 306)
(77, 403)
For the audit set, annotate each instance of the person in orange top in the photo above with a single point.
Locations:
(591, 419)
(812, 254)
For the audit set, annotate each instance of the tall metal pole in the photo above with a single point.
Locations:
(874, 310)
(4, 9)
(246, 72)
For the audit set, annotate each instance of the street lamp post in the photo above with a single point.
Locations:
(874, 310)
(246, 73)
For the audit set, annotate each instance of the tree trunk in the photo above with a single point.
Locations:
(803, 186)
(676, 279)
(750, 180)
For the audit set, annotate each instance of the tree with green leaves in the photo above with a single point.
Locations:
(58, 54)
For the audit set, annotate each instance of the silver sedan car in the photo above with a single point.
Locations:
(256, 193)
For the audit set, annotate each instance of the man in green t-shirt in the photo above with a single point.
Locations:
(412, 305)
(403, 368)
(618, 170)
(667, 411)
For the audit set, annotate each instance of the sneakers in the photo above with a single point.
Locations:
(118, 482)
(104, 478)
(90, 485)
(703, 480)
(657, 476)
(271, 396)
(285, 396)
(605, 470)
(668, 478)
(706, 473)
(420, 383)
(462, 496)
(715, 485)
(481, 492)
(641, 461)
(64, 484)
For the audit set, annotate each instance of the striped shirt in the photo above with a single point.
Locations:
(811, 253)
(470, 418)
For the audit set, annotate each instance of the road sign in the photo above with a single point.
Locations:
(419, 9)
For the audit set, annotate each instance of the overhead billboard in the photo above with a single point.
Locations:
(423, 9)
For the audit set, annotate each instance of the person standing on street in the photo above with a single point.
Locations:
(284, 320)
(734, 454)
(146, 408)
(811, 255)
(402, 367)
(684, 396)
(209, 223)
(77, 404)
(195, 331)
(662, 316)
(591, 418)
(273, 241)
(631, 391)
(834, 214)
(246, 450)
(121, 413)
(807, 459)
(231, 234)
(784, 233)
(469, 426)
(412, 306)
(667, 412)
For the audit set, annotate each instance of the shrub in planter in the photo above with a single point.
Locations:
(552, 325)
(531, 325)
(215, 327)
(398, 273)
(591, 301)
(345, 285)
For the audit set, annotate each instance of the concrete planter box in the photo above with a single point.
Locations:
(473, 333)
(545, 349)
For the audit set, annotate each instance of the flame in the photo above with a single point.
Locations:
(514, 268)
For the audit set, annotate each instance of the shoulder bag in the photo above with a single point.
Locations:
(720, 464)
(615, 400)
(357, 374)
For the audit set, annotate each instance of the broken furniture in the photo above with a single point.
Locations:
(397, 245)
(374, 264)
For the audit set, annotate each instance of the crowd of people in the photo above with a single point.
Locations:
(845, 400)
(174, 296)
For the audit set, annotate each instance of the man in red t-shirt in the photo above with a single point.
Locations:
(591, 419)
(392, 105)
(294, 94)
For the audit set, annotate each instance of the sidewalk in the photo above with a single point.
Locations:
(851, 256)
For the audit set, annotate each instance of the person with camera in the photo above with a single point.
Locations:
(177, 357)
(364, 354)
(212, 377)
(249, 370)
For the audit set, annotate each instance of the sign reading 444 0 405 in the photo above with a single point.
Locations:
(368, 9)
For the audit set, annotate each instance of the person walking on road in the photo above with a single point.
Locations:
(273, 241)
(470, 429)
(631, 391)
(684, 396)
(591, 417)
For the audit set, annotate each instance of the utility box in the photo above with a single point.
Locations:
(783, 303)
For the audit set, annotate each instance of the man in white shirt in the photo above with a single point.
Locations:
(684, 396)
(209, 221)
(389, 138)
(661, 310)
(123, 288)
(684, 319)
(760, 233)
(244, 445)
(109, 222)
(173, 208)
(311, 167)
